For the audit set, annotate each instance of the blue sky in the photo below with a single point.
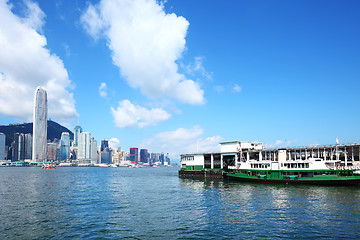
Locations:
(181, 76)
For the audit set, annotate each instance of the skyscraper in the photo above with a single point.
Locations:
(84, 149)
(28, 146)
(105, 152)
(104, 144)
(40, 125)
(65, 146)
(21, 146)
(144, 155)
(77, 131)
(93, 152)
(2, 146)
(134, 155)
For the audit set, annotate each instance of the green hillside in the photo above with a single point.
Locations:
(54, 130)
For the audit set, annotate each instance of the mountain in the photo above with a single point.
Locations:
(54, 130)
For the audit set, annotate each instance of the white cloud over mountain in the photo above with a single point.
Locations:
(128, 115)
(26, 63)
(183, 140)
(145, 42)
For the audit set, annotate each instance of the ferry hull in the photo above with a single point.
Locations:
(341, 181)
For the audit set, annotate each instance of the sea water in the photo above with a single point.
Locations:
(154, 203)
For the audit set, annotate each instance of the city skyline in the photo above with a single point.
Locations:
(186, 75)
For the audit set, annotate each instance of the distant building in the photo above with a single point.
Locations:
(21, 147)
(106, 156)
(93, 152)
(51, 151)
(28, 139)
(167, 159)
(134, 155)
(105, 152)
(144, 156)
(84, 148)
(65, 146)
(2, 146)
(40, 126)
(104, 144)
(77, 131)
(116, 155)
(73, 153)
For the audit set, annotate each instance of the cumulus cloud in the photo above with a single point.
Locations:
(114, 143)
(26, 63)
(237, 88)
(128, 115)
(145, 42)
(103, 90)
(183, 140)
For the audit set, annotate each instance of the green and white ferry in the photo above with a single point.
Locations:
(247, 161)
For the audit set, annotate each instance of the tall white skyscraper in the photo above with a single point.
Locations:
(40, 125)
(84, 149)
(2, 146)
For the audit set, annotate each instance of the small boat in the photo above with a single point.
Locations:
(48, 166)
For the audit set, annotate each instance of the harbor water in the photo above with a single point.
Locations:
(154, 203)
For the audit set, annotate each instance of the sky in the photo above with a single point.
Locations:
(180, 76)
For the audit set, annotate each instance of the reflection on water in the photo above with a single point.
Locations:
(154, 203)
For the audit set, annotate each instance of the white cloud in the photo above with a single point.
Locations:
(103, 90)
(34, 16)
(145, 42)
(237, 88)
(128, 115)
(114, 143)
(197, 67)
(181, 141)
(26, 63)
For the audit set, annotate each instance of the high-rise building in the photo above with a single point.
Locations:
(134, 155)
(28, 146)
(144, 156)
(65, 146)
(162, 158)
(21, 146)
(106, 156)
(2, 146)
(40, 126)
(104, 144)
(77, 131)
(93, 151)
(51, 151)
(84, 148)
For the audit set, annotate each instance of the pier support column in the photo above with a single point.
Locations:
(212, 161)
(345, 155)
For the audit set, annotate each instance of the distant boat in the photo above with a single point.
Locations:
(48, 166)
